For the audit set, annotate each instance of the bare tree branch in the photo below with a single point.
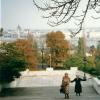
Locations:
(62, 11)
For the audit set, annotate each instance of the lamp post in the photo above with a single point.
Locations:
(50, 60)
(42, 56)
(84, 62)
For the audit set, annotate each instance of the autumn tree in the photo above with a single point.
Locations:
(58, 47)
(62, 11)
(29, 48)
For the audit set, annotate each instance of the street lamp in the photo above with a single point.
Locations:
(50, 60)
(42, 56)
(84, 62)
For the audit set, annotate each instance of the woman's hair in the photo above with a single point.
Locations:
(66, 73)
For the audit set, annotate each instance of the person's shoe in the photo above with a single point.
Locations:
(76, 94)
(79, 94)
(67, 96)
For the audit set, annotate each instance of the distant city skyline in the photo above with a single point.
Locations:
(13, 35)
(23, 13)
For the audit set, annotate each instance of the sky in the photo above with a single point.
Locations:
(23, 13)
(0, 13)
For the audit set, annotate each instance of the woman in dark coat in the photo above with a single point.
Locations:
(78, 86)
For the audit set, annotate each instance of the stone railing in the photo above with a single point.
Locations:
(0, 88)
(96, 85)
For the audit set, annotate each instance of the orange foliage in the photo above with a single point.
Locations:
(27, 46)
(59, 47)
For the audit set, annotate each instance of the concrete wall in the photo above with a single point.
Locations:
(41, 78)
(48, 77)
(96, 85)
(45, 78)
(0, 88)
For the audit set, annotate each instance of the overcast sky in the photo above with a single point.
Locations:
(0, 13)
(23, 13)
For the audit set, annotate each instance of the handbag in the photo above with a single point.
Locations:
(62, 90)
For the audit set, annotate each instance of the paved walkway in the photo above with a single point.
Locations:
(46, 88)
(47, 93)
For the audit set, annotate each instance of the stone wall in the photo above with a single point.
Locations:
(41, 78)
(0, 88)
(50, 78)
(96, 85)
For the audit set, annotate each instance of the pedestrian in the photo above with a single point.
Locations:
(65, 85)
(78, 86)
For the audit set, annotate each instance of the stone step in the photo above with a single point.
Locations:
(47, 93)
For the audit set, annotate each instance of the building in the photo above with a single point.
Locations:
(92, 36)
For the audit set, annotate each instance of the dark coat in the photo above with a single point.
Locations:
(78, 86)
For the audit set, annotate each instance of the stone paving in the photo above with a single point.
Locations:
(47, 93)
(46, 88)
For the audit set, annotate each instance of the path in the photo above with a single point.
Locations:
(48, 93)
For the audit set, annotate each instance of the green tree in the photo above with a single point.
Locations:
(77, 61)
(74, 61)
(97, 58)
(11, 62)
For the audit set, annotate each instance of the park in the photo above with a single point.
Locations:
(43, 41)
